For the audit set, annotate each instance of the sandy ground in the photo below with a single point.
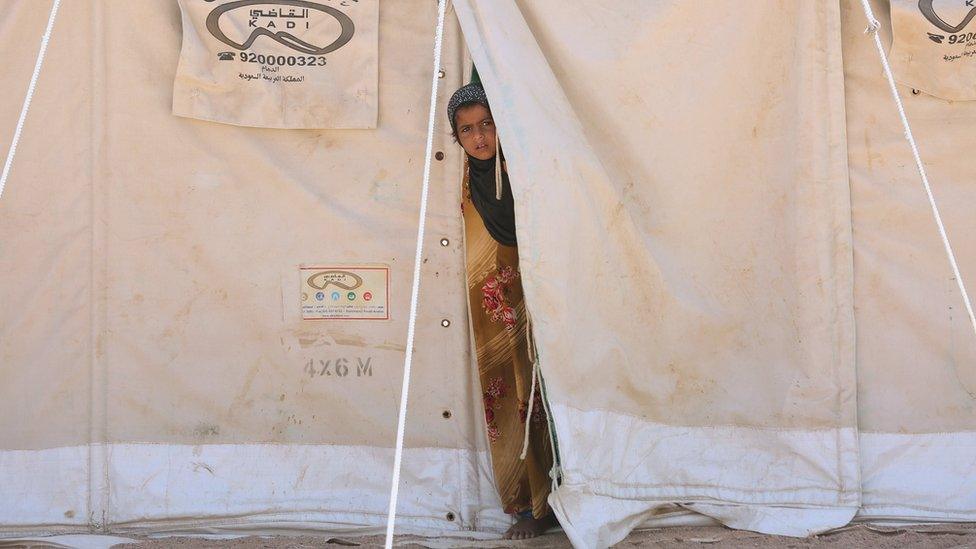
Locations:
(930, 536)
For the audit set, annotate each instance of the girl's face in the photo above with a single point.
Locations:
(476, 131)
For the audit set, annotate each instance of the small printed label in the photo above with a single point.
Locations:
(344, 292)
(339, 367)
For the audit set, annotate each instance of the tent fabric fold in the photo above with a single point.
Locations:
(694, 311)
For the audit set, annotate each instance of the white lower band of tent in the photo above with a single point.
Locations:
(775, 481)
(924, 477)
(790, 482)
(262, 487)
(247, 488)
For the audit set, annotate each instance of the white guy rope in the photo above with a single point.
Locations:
(873, 26)
(45, 40)
(418, 259)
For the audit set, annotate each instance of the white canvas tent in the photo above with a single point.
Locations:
(741, 302)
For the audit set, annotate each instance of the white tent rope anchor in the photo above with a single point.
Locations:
(418, 260)
(873, 26)
(45, 40)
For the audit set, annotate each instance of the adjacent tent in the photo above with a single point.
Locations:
(742, 306)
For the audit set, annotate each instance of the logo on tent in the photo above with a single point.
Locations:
(280, 24)
(341, 279)
(928, 10)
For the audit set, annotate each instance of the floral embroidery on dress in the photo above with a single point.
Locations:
(538, 410)
(495, 391)
(493, 296)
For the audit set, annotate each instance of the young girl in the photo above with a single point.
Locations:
(499, 320)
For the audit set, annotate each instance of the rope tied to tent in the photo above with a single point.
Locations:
(418, 260)
(555, 473)
(535, 373)
(31, 88)
(873, 27)
(528, 412)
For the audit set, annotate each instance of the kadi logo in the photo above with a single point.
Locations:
(340, 279)
(288, 22)
(928, 10)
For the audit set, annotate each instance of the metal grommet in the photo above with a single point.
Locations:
(450, 516)
(441, 73)
(915, 91)
(445, 323)
(439, 155)
(445, 242)
(446, 414)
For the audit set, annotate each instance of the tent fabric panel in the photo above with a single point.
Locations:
(157, 486)
(717, 234)
(44, 491)
(18, 21)
(197, 232)
(204, 236)
(805, 488)
(926, 477)
(738, 237)
(248, 487)
(46, 343)
(707, 463)
(915, 345)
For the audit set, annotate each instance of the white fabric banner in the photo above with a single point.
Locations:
(934, 46)
(279, 63)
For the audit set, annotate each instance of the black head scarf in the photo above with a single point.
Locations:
(498, 215)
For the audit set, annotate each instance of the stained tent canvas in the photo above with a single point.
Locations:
(741, 304)
(157, 372)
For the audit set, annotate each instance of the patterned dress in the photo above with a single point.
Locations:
(500, 332)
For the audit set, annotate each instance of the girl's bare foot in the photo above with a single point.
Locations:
(530, 527)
